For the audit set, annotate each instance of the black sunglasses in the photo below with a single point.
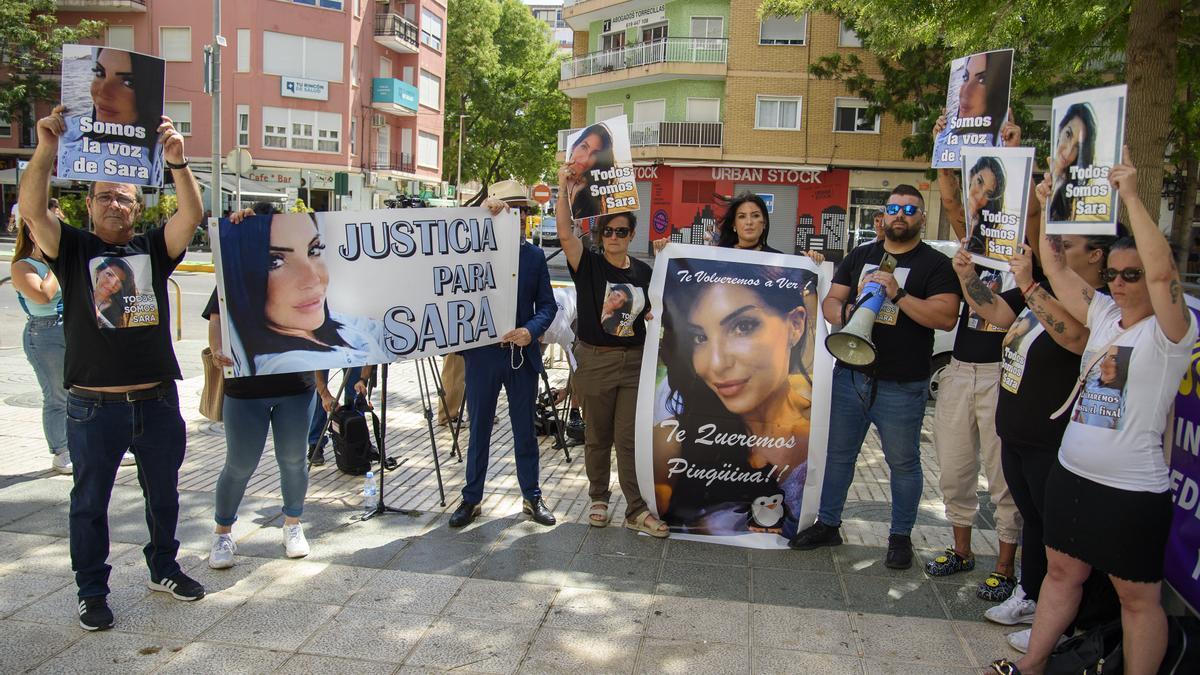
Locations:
(618, 232)
(909, 209)
(1129, 274)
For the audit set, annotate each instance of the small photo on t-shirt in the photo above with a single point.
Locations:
(1102, 403)
(123, 291)
(622, 304)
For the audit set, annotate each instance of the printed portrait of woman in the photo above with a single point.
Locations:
(591, 151)
(1075, 145)
(1114, 368)
(1024, 324)
(983, 93)
(731, 447)
(275, 287)
(985, 192)
(113, 287)
(621, 305)
(1102, 403)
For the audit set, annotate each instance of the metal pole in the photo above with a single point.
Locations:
(238, 207)
(215, 186)
(462, 109)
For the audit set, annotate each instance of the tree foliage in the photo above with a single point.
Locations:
(502, 73)
(31, 41)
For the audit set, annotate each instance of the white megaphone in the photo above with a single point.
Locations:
(852, 344)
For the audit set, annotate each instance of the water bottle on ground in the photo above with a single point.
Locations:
(370, 494)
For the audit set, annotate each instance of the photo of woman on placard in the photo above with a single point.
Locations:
(986, 183)
(983, 93)
(736, 364)
(592, 150)
(275, 288)
(621, 305)
(1075, 145)
(112, 284)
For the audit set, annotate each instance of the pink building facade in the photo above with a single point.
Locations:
(310, 88)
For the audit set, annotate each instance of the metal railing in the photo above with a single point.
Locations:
(676, 134)
(393, 161)
(665, 50)
(388, 24)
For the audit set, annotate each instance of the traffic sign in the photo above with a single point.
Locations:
(541, 193)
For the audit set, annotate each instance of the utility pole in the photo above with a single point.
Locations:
(462, 109)
(215, 86)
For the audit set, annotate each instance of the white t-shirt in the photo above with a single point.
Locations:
(1116, 429)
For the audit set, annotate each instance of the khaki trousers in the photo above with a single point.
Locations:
(606, 383)
(454, 384)
(964, 432)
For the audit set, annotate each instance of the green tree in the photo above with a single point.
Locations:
(502, 74)
(31, 41)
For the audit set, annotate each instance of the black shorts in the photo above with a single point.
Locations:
(1119, 532)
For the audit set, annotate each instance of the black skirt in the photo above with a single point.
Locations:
(1119, 532)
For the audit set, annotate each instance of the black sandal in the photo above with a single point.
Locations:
(1005, 667)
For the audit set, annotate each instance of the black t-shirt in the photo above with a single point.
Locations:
(261, 386)
(612, 301)
(904, 348)
(1036, 376)
(978, 341)
(116, 311)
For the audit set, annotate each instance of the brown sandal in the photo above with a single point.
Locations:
(598, 514)
(638, 524)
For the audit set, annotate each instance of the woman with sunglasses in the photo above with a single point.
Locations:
(612, 295)
(1113, 478)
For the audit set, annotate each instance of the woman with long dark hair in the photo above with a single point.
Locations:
(983, 93)
(1075, 145)
(745, 224)
(986, 183)
(113, 285)
(591, 151)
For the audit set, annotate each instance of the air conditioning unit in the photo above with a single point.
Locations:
(378, 120)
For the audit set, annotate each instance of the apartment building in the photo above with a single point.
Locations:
(550, 12)
(719, 102)
(310, 88)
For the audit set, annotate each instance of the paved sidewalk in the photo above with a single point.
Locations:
(405, 594)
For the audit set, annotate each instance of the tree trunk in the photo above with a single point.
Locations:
(1185, 209)
(1150, 57)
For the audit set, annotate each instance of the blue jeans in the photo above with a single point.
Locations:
(896, 412)
(98, 434)
(487, 369)
(319, 417)
(246, 421)
(46, 347)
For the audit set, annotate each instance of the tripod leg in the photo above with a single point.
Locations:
(558, 422)
(381, 438)
(427, 400)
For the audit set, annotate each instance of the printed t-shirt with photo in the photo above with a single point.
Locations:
(977, 340)
(1115, 434)
(595, 281)
(106, 347)
(904, 348)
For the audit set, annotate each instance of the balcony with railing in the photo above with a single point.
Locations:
(101, 5)
(396, 33)
(393, 161)
(666, 58)
(667, 140)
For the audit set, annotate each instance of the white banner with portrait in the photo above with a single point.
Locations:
(1085, 144)
(733, 400)
(301, 291)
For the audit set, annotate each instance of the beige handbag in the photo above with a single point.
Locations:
(214, 387)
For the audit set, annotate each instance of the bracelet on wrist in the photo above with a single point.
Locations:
(1029, 289)
(173, 166)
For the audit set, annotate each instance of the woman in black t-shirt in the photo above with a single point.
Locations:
(745, 225)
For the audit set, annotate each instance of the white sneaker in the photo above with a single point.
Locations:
(1016, 609)
(128, 459)
(294, 542)
(62, 463)
(1020, 640)
(220, 556)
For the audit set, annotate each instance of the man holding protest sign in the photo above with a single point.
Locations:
(121, 376)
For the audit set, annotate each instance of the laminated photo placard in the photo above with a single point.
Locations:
(114, 106)
(1086, 134)
(603, 165)
(995, 193)
(976, 105)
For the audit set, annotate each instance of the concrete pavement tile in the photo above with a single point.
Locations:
(161, 614)
(961, 601)
(502, 601)
(319, 582)
(397, 591)
(18, 589)
(574, 652)
(473, 645)
(61, 608)
(561, 537)
(699, 620)
(816, 560)
(699, 551)
(50, 519)
(440, 557)
(852, 560)
(117, 653)
(25, 645)
(804, 629)
(311, 664)
(584, 609)
(798, 588)
(901, 597)
(20, 544)
(987, 642)
(613, 572)
(671, 657)
(350, 545)
(482, 531)
(208, 657)
(526, 565)
(908, 639)
(872, 667)
(616, 539)
(699, 580)
(241, 579)
(271, 623)
(55, 558)
(357, 631)
(770, 661)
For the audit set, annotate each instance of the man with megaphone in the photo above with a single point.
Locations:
(906, 290)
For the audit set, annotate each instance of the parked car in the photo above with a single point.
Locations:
(548, 232)
(943, 340)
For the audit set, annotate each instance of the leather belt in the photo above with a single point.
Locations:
(602, 349)
(150, 394)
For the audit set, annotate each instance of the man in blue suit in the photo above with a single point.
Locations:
(515, 364)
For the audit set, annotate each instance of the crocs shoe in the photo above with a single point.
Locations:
(949, 563)
(996, 588)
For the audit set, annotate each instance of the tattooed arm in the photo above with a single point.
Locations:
(1074, 293)
(983, 300)
(1063, 328)
(1162, 277)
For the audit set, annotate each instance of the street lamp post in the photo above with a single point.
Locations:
(462, 109)
(215, 85)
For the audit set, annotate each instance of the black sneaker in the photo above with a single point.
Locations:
(316, 455)
(818, 535)
(94, 613)
(179, 585)
(900, 552)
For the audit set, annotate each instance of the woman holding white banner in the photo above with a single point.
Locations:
(744, 225)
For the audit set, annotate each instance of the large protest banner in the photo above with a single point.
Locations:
(995, 197)
(603, 165)
(302, 291)
(1182, 564)
(114, 106)
(733, 401)
(976, 105)
(1087, 132)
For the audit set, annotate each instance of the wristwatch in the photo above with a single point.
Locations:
(899, 294)
(172, 165)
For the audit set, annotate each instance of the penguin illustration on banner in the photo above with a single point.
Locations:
(767, 512)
